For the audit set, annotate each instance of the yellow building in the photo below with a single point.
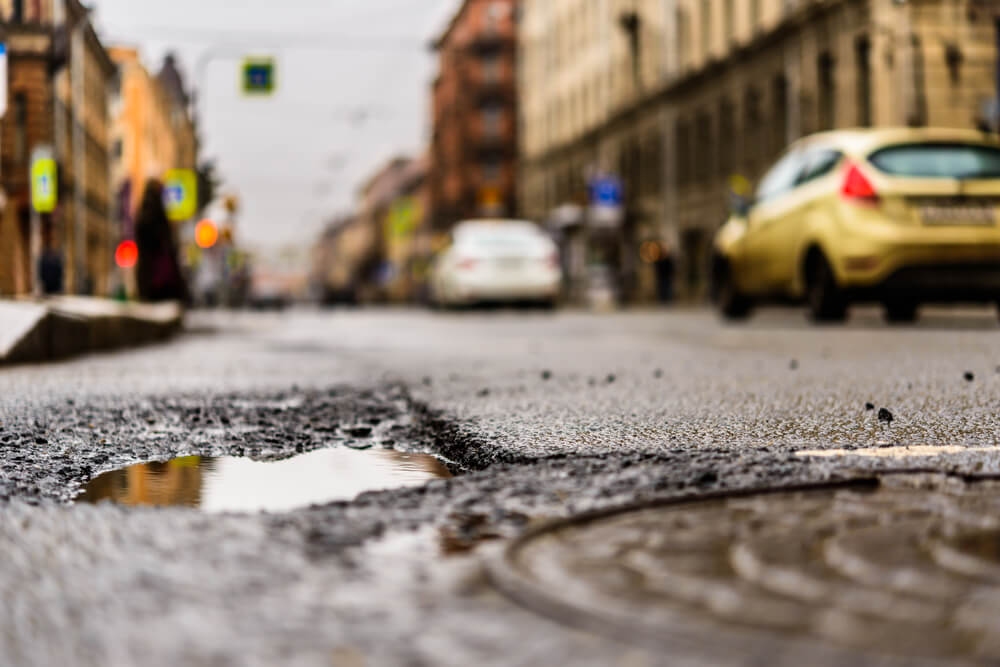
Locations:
(145, 144)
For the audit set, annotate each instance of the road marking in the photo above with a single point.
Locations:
(914, 451)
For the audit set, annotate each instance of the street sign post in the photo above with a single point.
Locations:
(44, 183)
(44, 178)
(606, 201)
(258, 77)
(3, 79)
(180, 194)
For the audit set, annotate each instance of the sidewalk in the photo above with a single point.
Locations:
(61, 327)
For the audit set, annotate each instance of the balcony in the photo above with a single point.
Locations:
(491, 132)
(492, 41)
(490, 81)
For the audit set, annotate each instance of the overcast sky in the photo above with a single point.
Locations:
(353, 90)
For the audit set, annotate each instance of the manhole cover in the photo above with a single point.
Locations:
(904, 567)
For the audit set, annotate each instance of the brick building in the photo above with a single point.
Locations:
(59, 81)
(474, 147)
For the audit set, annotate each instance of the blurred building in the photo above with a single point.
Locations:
(59, 81)
(719, 88)
(341, 256)
(474, 146)
(408, 239)
(145, 141)
(383, 252)
(585, 67)
(182, 122)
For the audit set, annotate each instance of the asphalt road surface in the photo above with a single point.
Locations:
(540, 417)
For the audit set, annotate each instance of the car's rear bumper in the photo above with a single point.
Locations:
(527, 290)
(942, 283)
(940, 264)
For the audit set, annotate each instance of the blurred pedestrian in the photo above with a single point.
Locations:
(50, 266)
(158, 273)
(665, 271)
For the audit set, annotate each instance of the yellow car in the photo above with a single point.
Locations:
(894, 216)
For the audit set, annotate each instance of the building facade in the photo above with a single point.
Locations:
(583, 64)
(145, 144)
(59, 81)
(474, 145)
(737, 82)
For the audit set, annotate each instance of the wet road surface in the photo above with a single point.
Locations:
(541, 417)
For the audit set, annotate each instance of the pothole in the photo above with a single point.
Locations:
(235, 484)
(904, 569)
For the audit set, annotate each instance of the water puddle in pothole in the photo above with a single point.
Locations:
(234, 484)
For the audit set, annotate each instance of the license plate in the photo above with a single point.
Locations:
(963, 214)
(509, 263)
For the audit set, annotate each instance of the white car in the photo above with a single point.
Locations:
(502, 261)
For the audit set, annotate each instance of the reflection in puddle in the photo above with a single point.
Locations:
(899, 452)
(233, 484)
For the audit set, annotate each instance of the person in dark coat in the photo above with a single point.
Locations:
(158, 274)
(51, 267)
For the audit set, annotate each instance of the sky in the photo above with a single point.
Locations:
(353, 90)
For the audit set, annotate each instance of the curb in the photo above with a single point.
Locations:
(64, 327)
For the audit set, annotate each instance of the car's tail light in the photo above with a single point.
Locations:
(857, 187)
(467, 264)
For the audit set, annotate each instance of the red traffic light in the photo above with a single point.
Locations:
(127, 254)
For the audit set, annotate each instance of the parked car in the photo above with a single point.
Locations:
(899, 217)
(503, 261)
(268, 291)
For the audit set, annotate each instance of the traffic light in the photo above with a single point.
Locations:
(206, 234)
(127, 254)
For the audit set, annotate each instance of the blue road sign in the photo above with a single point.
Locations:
(606, 191)
(258, 76)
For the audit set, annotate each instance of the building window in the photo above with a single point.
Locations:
(682, 153)
(492, 121)
(491, 69)
(21, 128)
(863, 51)
(827, 91)
(754, 16)
(729, 11)
(703, 156)
(683, 39)
(779, 119)
(706, 29)
(491, 171)
(652, 165)
(495, 11)
(727, 138)
(751, 131)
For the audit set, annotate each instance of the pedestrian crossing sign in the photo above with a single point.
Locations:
(44, 185)
(180, 194)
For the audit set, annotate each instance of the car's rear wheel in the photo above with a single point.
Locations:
(733, 304)
(901, 311)
(825, 299)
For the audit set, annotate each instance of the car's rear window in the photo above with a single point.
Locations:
(938, 160)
